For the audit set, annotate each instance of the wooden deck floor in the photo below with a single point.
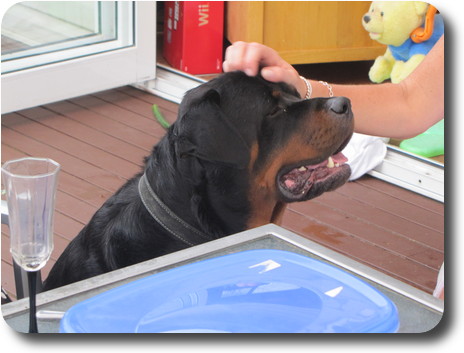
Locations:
(101, 139)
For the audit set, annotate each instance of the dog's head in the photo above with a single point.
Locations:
(288, 145)
(255, 146)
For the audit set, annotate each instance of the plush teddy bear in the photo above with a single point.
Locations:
(391, 23)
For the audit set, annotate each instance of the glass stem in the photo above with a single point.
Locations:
(32, 279)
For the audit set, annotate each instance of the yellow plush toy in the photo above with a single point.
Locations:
(393, 23)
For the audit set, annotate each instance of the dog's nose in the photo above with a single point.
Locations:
(366, 18)
(339, 105)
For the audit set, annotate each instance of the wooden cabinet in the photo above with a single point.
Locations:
(304, 31)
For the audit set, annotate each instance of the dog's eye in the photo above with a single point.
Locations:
(277, 110)
(381, 14)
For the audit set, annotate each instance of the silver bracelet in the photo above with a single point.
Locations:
(309, 89)
(329, 87)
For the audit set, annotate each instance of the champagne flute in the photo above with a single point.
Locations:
(30, 185)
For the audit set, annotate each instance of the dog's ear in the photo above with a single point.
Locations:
(207, 133)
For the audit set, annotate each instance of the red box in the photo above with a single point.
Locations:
(193, 35)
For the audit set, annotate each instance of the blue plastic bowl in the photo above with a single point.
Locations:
(256, 291)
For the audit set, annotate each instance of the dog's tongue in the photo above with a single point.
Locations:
(300, 180)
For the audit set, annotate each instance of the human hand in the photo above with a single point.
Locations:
(250, 57)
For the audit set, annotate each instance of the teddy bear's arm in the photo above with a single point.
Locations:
(403, 69)
(382, 68)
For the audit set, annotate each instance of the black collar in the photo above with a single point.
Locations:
(167, 218)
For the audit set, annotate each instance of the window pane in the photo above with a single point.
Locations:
(36, 33)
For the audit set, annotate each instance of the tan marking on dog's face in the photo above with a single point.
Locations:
(265, 204)
(316, 138)
(260, 200)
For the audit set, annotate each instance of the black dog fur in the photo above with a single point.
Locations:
(228, 132)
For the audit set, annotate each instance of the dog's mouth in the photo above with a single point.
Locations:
(308, 181)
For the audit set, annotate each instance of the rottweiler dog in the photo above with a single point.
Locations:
(240, 150)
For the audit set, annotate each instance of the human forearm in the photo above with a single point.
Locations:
(397, 110)
(392, 110)
(381, 110)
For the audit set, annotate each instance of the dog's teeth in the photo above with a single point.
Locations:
(302, 169)
(337, 164)
(330, 163)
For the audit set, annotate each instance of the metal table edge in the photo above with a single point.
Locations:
(195, 253)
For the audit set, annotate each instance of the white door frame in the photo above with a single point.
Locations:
(88, 74)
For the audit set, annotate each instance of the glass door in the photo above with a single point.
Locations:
(54, 50)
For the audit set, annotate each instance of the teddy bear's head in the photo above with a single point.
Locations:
(391, 22)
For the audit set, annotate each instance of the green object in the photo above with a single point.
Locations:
(160, 117)
(428, 144)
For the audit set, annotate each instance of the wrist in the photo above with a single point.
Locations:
(321, 89)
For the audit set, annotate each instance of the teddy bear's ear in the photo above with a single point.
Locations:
(421, 7)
